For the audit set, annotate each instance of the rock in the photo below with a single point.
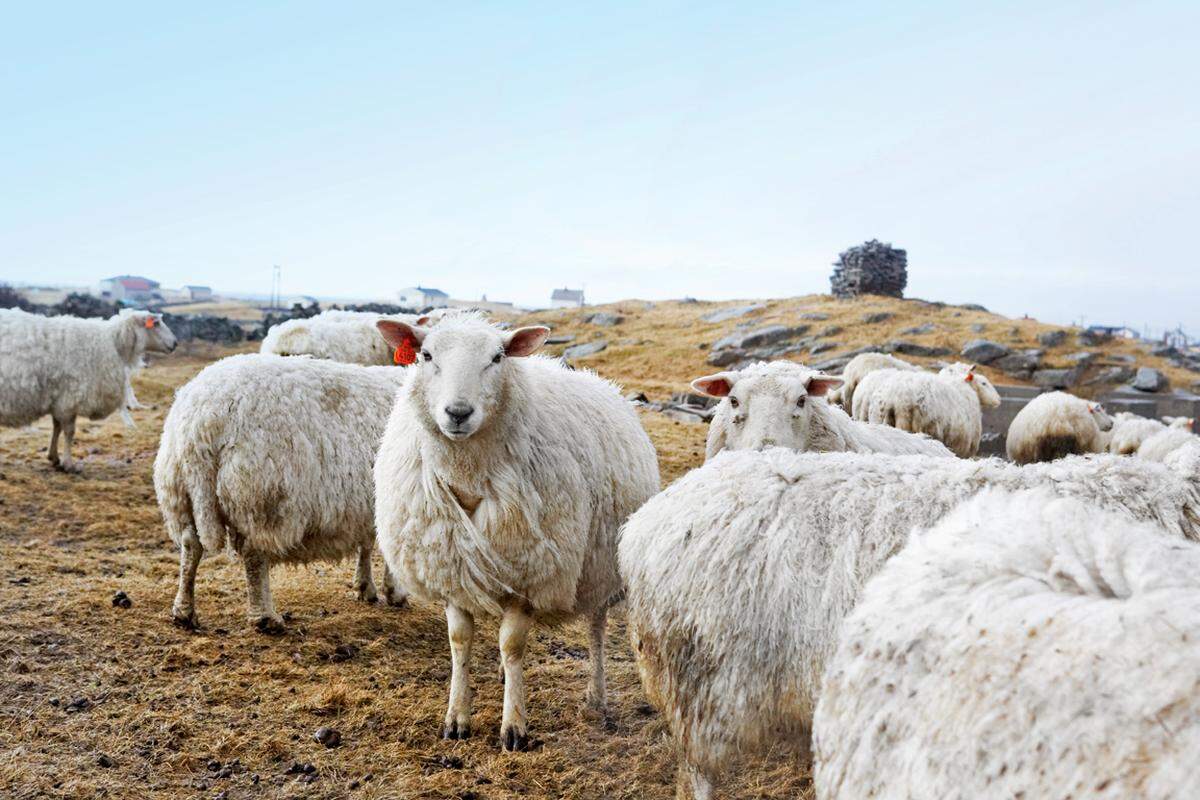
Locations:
(1091, 338)
(1166, 351)
(1120, 358)
(1149, 379)
(694, 400)
(121, 600)
(604, 319)
(834, 364)
(1052, 338)
(877, 317)
(723, 358)
(972, 307)
(823, 347)
(917, 330)
(912, 349)
(685, 415)
(1021, 364)
(586, 349)
(831, 330)
(1082, 359)
(78, 704)
(759, 336)
(329, 737)
(104, 762)
(722, 314)
(870, 268)
(814, 316)
(1056, 378)
(1111, 375)
(978, 327)
(565, 338)
(984, 351)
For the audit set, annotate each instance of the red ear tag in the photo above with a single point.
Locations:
(405, 353)
(970, 377)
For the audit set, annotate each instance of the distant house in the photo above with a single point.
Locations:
(566, 298)
(422, 297)
(1114, 331)
(128, 289)
(199, 294)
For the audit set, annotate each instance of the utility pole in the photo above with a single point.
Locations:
(276, 287)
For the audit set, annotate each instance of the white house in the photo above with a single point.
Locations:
(566, 298)
(422, 297)
(132, 288)
(199, 294)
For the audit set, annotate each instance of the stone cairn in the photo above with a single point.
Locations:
(870, 268)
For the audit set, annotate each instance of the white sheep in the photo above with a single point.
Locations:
(502, 481)
(947, 406)
(1166, 441)
(1057, 424)
(347, 336)
(738, 574)
(1185, 423)
(1024, 647)
(69, 367)
(273, 455)
(858, 368)
(782, 403)
(1129, 431)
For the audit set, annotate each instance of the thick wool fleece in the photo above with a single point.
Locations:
(1054, 425)
(859, 367)
(1026, 646)
(346, 336)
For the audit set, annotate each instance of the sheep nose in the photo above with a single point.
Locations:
(459, 412)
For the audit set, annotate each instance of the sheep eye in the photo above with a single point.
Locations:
(496, 358)
(425, 355)
(800, 402)
(733, 402)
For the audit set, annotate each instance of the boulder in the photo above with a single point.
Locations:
(877, 317)
(1020, 364)
(1052, 338)
(1111, 375)
(913, 349)
(722, 314)
(759, 337)
(565, 338)
(832, 365)
(1082, 358)
(984, 351)
(604, 319)
(1091, 338)
(823, 347)
(586, 349)
(814, 316)
(973, 307)
(917, 330)
(1149, 379)
(723, 358)
(832, 330)
(1056, 378)
(1166, 351)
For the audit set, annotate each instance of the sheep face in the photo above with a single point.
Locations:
(764, 408)
(159, 338)
(988, 396)
(461, 366)
(1103, 421)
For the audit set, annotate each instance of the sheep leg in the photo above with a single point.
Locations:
(67, 464)
(362, 576)
(460, 626)
(392, 591)
(596, 696)
(52, 454)
(514, 629)
(692, 783)
(183, 612)
(261, 611)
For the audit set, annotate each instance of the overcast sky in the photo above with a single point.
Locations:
(1041, 158)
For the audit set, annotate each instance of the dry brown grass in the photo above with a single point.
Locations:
(164, 703)
(234, 309)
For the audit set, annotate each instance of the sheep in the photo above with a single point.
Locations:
(273, 455)
(782, 403)
(1129, 431)
(1166, 441)
(858, 368)
(738, 574)
(337, 335)
(1185, 423)
(1057, 424)
(69, 367)
(1024, 647)
(947, 406)
(502, 480)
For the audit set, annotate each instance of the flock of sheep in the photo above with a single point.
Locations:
(840, 572)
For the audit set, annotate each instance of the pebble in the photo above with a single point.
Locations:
(121, 600)
(330, 737)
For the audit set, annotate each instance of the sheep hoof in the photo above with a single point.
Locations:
(272, 626)
(367, 593)
(514, 741)
(186, 621)
(68, 467)
(455, 730)
(398, 601)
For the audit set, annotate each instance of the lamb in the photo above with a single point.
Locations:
(738, 574)
(1024, 647)
(1129, 431)
(1057, 424)
(784, 403)
(502, 481)
(346, 336)
(858, 368)
(69, 367)
(273, 455)
(947, 406)
(1165, 442)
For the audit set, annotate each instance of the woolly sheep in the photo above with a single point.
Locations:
(1166, 441)
(1057, 424)
(1129, 431)
(858, 368)
(1024, 647)
(1185, 423)
(347, 336)
(69, 367)
(782, 403)
(738, 574)
(273, 455)
(502, 481)
(947, 406)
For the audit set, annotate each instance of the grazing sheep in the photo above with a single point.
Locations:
(1185, 423)
(69, 367)
(347, 336)
(1026, 646)
(1057, 424)
(947, 406)
(858, 368)
(781, 403)
(1129, 431)
(1166, 441)
(738, 574)
(502, 481)
(273, 455)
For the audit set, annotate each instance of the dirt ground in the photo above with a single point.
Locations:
(99, 700)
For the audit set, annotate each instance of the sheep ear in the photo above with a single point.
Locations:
(820, 384)
(719, 385)
(399, 334)
(525, 341)
(424, 321)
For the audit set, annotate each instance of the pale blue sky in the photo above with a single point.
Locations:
(1036, 157)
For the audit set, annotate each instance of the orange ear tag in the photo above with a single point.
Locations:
(970, 377)
(149, 323)
(405, 354)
